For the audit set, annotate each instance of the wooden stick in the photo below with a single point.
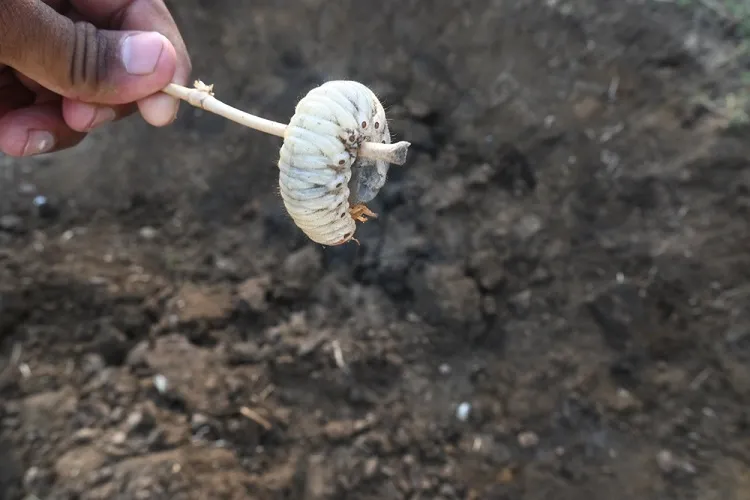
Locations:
(256, 417)
(202, 96)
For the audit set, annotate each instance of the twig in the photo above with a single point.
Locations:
(266, 392)
(202, 96)
(255, 417)
(338, 356)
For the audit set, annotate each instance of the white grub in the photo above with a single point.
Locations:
(335, 156)
(318, 160)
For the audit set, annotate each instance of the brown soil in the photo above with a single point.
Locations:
(566, 251)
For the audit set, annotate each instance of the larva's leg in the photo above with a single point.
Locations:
(360, 212)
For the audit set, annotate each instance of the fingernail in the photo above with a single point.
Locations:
(101, 116)
(141, 52)
(160, 110)
(39, 142)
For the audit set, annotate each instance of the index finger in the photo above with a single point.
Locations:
(142, 15)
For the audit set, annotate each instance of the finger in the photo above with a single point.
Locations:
(144, 15)
(79, 61)
(36, 129)
(84, 117)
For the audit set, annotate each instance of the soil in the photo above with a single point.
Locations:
(551, 305)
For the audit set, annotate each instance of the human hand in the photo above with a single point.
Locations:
(68, 66)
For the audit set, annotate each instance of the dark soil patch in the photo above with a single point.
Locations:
(566, 251)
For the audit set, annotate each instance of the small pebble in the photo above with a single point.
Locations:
(119, 437)
(668, 463)
(624, 401)
(198, 420)
(148, 233)
(371, 467)
(161, 383)
(11, 223)
(31, 475)
(528, 439)
(463, 411)
(225, 264)
(85, 435)
(665, 460)
(44, 208)
(447, 490)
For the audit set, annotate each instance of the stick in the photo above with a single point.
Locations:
(202, 96)
(338, 356)
(256, 417)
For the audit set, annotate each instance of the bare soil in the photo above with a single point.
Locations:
(552, 304)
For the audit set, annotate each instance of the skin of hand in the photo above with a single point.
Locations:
(69, 66)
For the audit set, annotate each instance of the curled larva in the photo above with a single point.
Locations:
(335, 158)
(323, 183)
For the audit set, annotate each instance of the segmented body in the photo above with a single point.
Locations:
(320, 176)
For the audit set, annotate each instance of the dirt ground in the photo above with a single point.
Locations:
(552, 304)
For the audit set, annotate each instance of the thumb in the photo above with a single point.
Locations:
(79, 61)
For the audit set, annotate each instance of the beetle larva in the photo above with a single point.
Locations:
(323, 184)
